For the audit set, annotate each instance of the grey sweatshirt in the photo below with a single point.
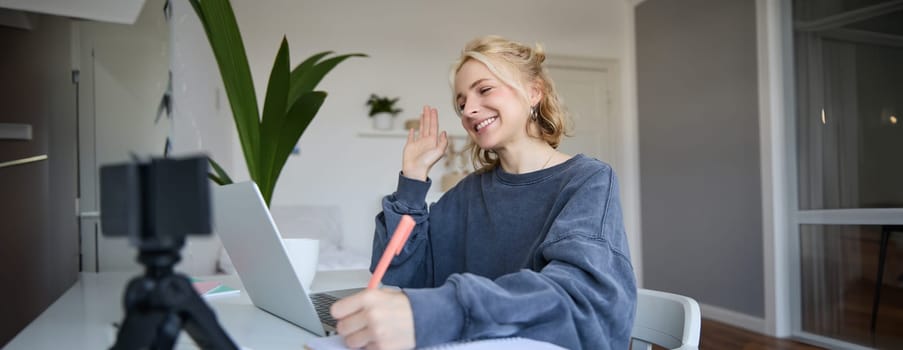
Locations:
(541, 255)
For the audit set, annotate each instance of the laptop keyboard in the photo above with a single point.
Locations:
(322, 302)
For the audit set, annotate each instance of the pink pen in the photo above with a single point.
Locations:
(396, 243)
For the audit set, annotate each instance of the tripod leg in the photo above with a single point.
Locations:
(168, 332)
(157, 312)
(158, 306)
(135, 334)
(200, 321)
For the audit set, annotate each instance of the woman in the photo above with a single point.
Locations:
(530, 245)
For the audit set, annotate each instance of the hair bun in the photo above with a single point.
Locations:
(539, 53)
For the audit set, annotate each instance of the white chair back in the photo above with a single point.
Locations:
(664, 319)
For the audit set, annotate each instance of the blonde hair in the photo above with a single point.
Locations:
(516, 65)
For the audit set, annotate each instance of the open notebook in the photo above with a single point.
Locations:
(335, 343)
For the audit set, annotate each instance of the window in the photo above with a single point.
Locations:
(848, 64)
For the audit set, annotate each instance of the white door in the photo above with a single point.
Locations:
(585, 86)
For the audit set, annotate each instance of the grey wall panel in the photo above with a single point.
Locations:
(699, 151)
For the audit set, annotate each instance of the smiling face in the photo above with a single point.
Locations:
(493, 113)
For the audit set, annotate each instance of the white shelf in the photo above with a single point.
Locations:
(398, 134)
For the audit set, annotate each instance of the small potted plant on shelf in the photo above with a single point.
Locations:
(383, 111)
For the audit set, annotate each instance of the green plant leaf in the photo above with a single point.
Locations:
(305, 80)
(309, 62)
(297, 119)
(299, 72)
(379, 104)
(220, 176)
(274, 109)
(223, 34)
(217, 180)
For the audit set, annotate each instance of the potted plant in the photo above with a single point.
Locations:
(383, 111)
(267, 138)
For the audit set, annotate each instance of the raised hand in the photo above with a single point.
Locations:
(425, 148)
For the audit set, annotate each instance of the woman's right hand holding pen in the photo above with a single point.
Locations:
(424, 148)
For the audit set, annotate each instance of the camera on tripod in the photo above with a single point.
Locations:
(156, 205)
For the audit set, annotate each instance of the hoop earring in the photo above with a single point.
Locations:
(533, 115)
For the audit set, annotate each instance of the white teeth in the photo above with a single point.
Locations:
(485, 122)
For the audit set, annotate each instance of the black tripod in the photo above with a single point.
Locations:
(155, 205)
(160, 303)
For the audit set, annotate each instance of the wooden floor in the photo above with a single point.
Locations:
(856, 311)
(718, 336)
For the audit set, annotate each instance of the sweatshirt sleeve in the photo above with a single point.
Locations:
(583, 297)
(413, 266)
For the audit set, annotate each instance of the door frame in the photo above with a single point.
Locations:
(88, 203)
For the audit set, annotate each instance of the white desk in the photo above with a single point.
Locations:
(82, 317)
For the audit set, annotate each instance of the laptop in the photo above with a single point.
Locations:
(251, 238)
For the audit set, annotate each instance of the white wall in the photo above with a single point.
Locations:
(411, 46)
(202, 119)
(123, 76)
